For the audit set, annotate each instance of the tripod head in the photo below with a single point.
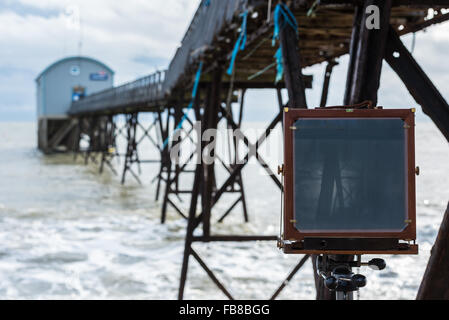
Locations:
(338, 275)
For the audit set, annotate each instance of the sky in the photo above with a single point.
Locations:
(137, 37)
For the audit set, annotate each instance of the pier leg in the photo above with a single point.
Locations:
(89, 132)
(131, 155)
(211, 116)
(195, 220)
(367, 51)
(190, 229)
(237, 186)
(104, 151)
(77, 139)
(166, 156)
(293, 77)
(327, 78)
(92, 130)
(108, 144)
(159, 177)
(172, 176)
(435, 283)
(366, 54)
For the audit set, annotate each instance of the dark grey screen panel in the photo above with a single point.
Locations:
(350, 174)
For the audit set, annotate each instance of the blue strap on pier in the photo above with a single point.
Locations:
(189, 107)
(241, 42)
(207, 3)
(289, 19)
(279, 65)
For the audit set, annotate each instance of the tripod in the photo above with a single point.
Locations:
(338, 275)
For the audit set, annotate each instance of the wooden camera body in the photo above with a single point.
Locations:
(349, 179)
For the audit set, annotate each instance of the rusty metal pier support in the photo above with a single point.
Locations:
(165, 96)
(136, 133)
(367, 51)
(435, 283)
(204, 173)
(109, 146)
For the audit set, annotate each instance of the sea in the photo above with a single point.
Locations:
(69, 232)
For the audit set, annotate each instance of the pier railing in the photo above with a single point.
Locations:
(143, 92)
(150, 91)
(207, 22)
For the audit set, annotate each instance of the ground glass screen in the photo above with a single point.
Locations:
(349, 175)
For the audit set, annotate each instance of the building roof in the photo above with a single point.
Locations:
(77, 58)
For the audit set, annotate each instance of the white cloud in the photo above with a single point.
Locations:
(133, 39)
(137, 36)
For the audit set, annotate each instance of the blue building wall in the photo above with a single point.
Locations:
(56, 85)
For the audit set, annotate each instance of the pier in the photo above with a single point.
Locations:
(237, 45)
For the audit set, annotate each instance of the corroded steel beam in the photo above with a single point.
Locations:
(292, 67)
(364, 69)
(368, 48)
(417, 82)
